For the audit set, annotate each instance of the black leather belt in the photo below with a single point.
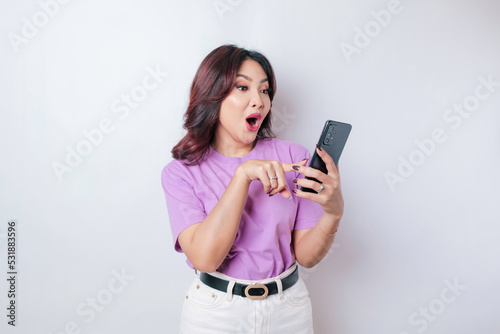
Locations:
(252, 291)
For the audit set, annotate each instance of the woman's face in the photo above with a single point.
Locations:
(245, 108)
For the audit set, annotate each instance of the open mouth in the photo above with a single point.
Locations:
(253, 121)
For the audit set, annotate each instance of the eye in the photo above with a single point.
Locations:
(242, 88)
(266, 91)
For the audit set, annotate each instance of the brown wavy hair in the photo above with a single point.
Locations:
(212, 83)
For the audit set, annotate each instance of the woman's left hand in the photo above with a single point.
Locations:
(330, 193)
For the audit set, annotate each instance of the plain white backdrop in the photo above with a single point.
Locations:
(92, 99)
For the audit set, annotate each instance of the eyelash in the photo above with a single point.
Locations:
(244, 88)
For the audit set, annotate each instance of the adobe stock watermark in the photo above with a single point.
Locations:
(305, 273)
(453, 117)
(429, 313)
(94, 304)
(281, 118)
(121, 107)
(363, 37)
(223, 6)
(39, 20)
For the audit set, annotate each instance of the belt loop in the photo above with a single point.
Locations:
(280, 287)
(230, 287)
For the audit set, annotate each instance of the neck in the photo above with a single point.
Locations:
(236, 150)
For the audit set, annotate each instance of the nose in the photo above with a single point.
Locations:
(256, 101)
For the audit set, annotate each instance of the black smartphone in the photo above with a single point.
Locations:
(333, 139)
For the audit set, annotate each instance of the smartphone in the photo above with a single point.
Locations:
(333, 139)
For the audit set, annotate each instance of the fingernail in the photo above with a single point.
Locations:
(296, 167)
(271, 195)
(305, 159)
(290, 197)
(319, 147)
(270, 191)
(294, 191)
(294, 180)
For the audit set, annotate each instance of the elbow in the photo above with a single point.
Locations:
(205, 267)
(307, 264)
(202, 256)
(205, 264)
(304, 262)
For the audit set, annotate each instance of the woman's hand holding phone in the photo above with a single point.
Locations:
(328, 192)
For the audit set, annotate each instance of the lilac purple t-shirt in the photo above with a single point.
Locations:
(263, 244)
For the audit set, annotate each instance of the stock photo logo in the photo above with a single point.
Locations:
(363, 37)
(223, 6)
(429, 313)
(454, 118)
(30, 28)
(122, 107)
(97, 303)
(281, 119)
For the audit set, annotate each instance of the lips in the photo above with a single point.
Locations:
(253, 121)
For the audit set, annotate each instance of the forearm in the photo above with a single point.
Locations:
(214, 236)
(316, 242)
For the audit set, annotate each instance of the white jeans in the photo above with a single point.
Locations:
(210, 311)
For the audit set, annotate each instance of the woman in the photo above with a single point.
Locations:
(220, 192)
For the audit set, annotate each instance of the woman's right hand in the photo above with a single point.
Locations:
(270, 173)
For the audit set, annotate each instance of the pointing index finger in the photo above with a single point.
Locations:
(289, 167)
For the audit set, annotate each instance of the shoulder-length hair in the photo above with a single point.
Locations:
(212, 83)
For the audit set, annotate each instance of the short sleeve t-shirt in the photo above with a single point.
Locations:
(263, 244)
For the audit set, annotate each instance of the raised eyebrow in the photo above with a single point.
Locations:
(250, 79)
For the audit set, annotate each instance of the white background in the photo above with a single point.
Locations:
(396, 247)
